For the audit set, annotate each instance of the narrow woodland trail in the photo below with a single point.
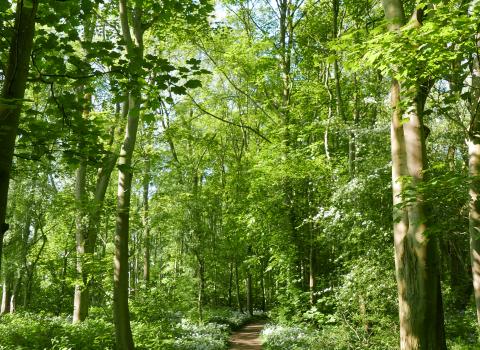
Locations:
(247, 338)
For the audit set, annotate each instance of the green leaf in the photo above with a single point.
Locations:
(179, 90)
(192, 84)
(149, 118)
(193, 62)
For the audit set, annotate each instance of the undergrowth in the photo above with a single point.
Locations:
(172, 331)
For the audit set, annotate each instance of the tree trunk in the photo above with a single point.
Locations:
(336, 68)
(88, 219)
(13, 298)
(121, 314)
(330, 112)
(86, 246)
(13, 92)
(474, 173)
(80, 302)
(104, 174)
(262, 286)
(201, 286)
(311, 270)
(25, 248)
(6, 293)
(416, 255)
(474, 216)
(120, 281)
(237, 284)
(30, 270)
(81, 296)
(62, 279)
(352, 144)
(249, 294)
(230, 284)
(146, 224)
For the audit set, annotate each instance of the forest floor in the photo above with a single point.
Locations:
(248, 337)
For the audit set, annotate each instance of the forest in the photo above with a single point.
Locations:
(173, 170)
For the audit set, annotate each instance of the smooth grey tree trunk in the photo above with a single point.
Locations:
(121, 314)
(146, 224)
(6, 293)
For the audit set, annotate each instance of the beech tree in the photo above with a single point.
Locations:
(473, 142)
(256, 147)
(416, 255)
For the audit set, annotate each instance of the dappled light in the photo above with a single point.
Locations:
(231, 174)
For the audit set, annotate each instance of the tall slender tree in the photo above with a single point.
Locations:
(131, 21)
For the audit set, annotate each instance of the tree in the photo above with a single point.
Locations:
(416, 256)
(13, 92)
(125, 173)
(473, 143)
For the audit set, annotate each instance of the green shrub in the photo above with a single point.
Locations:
(37, 331)
(40, 332)
(27, 331)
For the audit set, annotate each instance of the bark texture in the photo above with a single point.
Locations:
(416, 255)
(474, 173)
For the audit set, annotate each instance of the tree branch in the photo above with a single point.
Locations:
(228, 121)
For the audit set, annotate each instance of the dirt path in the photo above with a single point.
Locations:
(247, 338)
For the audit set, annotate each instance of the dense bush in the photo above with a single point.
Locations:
(36, 331)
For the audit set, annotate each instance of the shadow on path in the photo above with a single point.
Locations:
(247, 338)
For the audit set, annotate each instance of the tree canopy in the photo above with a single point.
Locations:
(171, 170)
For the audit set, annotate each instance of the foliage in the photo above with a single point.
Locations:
(37, 331)
(261, 174)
